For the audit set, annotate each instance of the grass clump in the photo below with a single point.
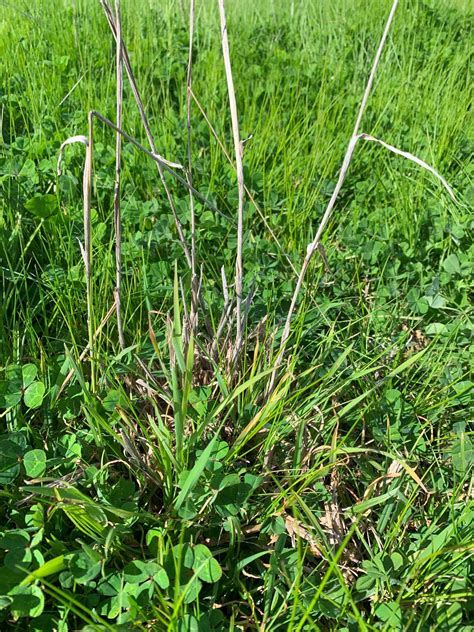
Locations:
(175, 470)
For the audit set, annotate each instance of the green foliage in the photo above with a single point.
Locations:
(19, 384)
(173, 492)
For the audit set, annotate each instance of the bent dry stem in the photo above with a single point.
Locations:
(297, 494)
(159, 164)
(313, 246)
(86, 249)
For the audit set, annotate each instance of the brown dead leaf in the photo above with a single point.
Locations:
(294, 528)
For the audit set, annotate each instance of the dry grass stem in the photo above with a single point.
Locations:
(225, 288)
(313, 246)
(238, 147)
(86, 248)
(70, 141)
(189, 80)
(87, 251)
(247, 190)
(144, 119)
(413, 158)
(118, 156)
(158, 159)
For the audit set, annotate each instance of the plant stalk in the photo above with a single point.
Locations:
(314, 245)
(189, 80)
(240, 172)
(118, 156)
(87, 254)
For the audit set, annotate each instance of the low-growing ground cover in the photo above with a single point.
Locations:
(161, 486)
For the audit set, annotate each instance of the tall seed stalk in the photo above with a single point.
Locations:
(189, 79)
(314, 245)
(118, 157)
(86, 248)
(128, 68)
(238, 147)
(87, 254)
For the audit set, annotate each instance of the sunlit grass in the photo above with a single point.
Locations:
(342, 499)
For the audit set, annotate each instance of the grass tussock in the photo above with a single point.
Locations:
(206, 423)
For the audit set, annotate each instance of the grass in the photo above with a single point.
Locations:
(155, 484)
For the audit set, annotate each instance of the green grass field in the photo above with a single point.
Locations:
(168, 483)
